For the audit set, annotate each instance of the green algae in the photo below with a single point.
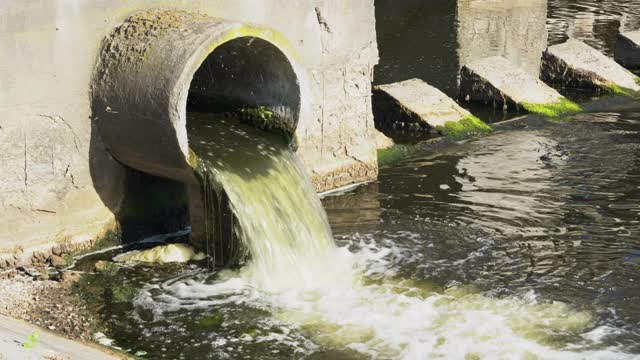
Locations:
(464, 128)
(615, 89)
(563, 107)
(393, 155)
(253, 332)
(266, 119)
(120, 293)
(213, 320)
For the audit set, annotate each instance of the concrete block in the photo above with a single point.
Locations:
(576, 64)
(415, 106)
(499, 82)
(627, 52)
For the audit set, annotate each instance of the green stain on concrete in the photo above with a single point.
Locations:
(464, 128)
(264, 118)
(615, 89)
(393, 154)
(563, 107)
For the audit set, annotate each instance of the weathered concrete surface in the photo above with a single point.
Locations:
(13, 333)
(414, 105)
(383, 141)
(498, 82)
(59, 184)
(627, 52)
(513, 29)
(576, 64)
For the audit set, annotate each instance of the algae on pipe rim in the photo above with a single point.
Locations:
(560, 108)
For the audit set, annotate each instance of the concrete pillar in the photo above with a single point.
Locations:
(512, 29)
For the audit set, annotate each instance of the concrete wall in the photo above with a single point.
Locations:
(514, 29)
(48, 196)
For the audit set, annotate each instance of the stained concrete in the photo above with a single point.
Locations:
(576, 64)
(501, 84)
(59, 183)
(414, 105)
(627, 52)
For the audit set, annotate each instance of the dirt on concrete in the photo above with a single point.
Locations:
(45, 298)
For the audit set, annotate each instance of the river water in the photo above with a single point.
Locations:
(524, 244)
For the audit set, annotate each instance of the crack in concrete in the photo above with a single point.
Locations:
(55, 118)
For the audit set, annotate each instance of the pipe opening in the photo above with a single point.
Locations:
(252, 79)
(249, 80)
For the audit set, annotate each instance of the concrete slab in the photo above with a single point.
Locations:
(497, 81)
(576, 64)
(13, 333)
(414, 105)
(627, 52)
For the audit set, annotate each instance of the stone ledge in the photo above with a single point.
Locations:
(627, 52)
(414, 105)
(497, 82)
(577, 65)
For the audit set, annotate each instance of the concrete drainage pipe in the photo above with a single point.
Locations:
(151, 64)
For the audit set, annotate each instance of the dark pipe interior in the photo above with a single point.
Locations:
(152, 205)
(246, 72)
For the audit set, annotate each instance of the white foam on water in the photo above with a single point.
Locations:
(403, 319)
(355, 300)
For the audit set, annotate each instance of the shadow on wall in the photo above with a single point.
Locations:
(145, 83)
(143, 204)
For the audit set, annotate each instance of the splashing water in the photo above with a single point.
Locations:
(352, 301)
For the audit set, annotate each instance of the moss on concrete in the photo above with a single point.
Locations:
(462, 129)
(266, 119)
(465, 128)
(615, 89)
(563, 107)
(393, 155)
